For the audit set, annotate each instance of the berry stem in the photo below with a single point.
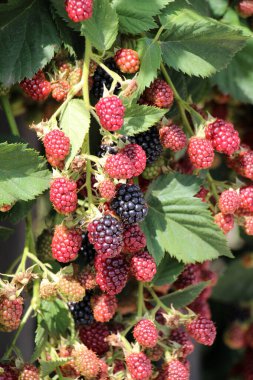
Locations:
(212, 186)
(22, 324)
(114, 75)
(157, 300)
(41, 265)
(86, 99)
(140, 299)
(4, 100)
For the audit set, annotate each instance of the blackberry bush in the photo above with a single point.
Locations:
(128, 207)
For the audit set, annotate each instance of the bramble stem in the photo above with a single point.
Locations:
(140, 299)
(9, 115)
(21, 326)
(157, 300)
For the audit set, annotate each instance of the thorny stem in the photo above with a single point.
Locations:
(22, 324)
(86, 98)
(183, 106)
(9, 115)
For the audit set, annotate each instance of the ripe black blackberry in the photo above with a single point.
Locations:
(87, 250)
(106, 234)
(102, 78)
(82, 311)
(107, 148)
(150, 143)
(129, 204)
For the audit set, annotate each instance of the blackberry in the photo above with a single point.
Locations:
(101, 79)
(87, 250)
(107, 148)
(106, 234)
(82, 311)
(150, 143)
(129, 204)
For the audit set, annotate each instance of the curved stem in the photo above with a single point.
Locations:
(157, 300)
(112, 74)
(9, 115)
(86, 99)
(21, 326)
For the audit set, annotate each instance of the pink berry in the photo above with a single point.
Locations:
(57, 146)
(172, 137)
(137, 156)
(63, 195)
(175, 370)
(229, 201)
(66, 244)
(159, 94)
(79, 10)
(134, 239)
(139, 366)
(127, 61)
(119, 166)
(38, 88)
(110, 111)
(246, 198)
(200, 152)
(146, 333)
(225, 222)
(107, 189)
(202, 330)
(143, 266)
(224, 138)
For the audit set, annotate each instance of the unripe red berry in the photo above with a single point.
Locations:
(183, 339)
(38, 88)
(200, 152)
(225, 222)
(127, 61)
(172, 137)
(175, 370)
(57, 145)
(10, 313)
(104, 307)
(134, 239)
(79, 10)
(107, 189)
(137, 156)
(139, 366)
(202, 330)
(159, 94)
(246, 198)
(146, 333)
(245, 8)
(60, 90)
(229, 201)
(86, 361)
(224, 138)
(110, 111)
(235, 336)
(119, 166)
(143, 266)
(63, 195)
(94, 337)
(29, 372)
(66, 244)
(248, 225)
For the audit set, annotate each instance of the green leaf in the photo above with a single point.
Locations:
(17, 213)
(102, 28)
(75, 123)
(140, 118)
(235, 285)
(56, 317)
(137, 16)
(179, 223)
(183, 297)
(28, 39)
(218, 7)
(48, 367)
(237, 78)
(151, 58)
(23, 178)
(198, 45)
(41, 337)
(5, 233)
(168, 271)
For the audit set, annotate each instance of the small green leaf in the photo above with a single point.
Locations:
(75, 123)
(183, 297)
(168, 271)
(179, 223)
(140, 118)
(198, 45)
(151, 58)
(23, 178)
(235, 285)
(102, 28)
(5, 232)
(56, 317)
(25, 51)
(47, 367)
(41, 337)
(218, 7)
(137, 16)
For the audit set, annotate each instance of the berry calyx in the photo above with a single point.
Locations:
(134, 239)
(104, 307)
(66, 243)
(173, 137)
(139, 366)
(202, 330)
(106, 234)
(143, 266)
(225, 222)
(229, 201)
(63, 195)
(127, 61)
(224, 138)
(200, 152)
(110, 111)
(79, 10)
(145, 333)
(38, 88)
